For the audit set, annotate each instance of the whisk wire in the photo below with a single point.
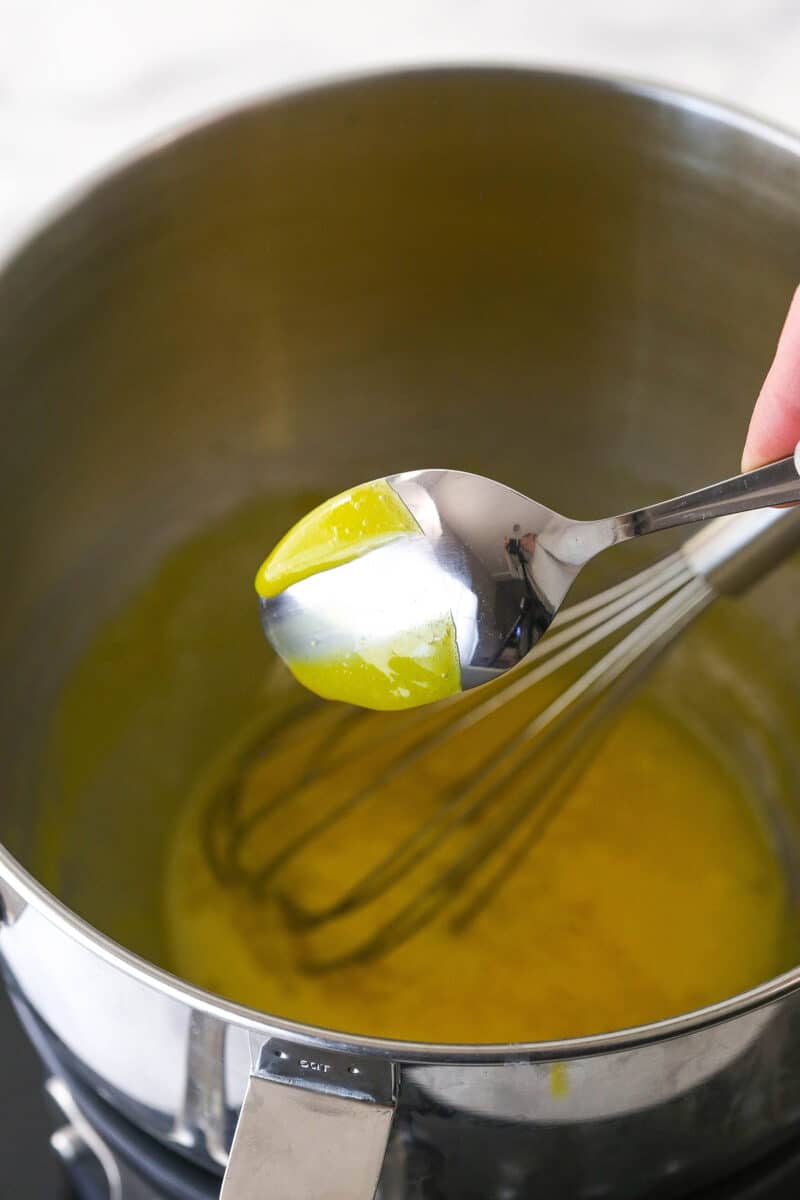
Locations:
(565, 645)
(645, 643)
(483, 826)
(600, 620)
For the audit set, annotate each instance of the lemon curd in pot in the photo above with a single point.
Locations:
(659, 884)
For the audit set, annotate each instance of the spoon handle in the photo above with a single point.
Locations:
(778, 483)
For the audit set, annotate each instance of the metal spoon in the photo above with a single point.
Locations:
(499, 563)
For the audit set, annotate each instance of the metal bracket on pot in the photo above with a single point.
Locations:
(315, 1123)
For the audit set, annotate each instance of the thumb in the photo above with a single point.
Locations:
(775, 425)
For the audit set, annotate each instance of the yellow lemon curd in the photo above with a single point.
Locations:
(652, 890)
(655, 887)
(413, 666)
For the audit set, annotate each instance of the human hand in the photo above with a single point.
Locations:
(775, 425)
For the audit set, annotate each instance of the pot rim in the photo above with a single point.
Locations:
(31, 892)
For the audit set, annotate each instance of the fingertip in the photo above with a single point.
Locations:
(774, 429)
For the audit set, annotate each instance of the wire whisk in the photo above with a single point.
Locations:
(453, 798)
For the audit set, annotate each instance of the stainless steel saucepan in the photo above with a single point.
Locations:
(330, 286)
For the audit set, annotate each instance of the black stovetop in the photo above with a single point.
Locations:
(28, 1168)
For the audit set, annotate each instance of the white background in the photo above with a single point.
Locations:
(82, 80)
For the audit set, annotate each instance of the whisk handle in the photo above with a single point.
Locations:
(777, 483)
(736, 551)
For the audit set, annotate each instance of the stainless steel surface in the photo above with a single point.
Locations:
(391, 258)
(497, 563)
(330, 1071)
(470, 843)
(201, 1118)
(294, 1140)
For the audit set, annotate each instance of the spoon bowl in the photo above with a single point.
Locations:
(463, 586)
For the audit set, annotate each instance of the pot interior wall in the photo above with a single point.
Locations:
(565, 285)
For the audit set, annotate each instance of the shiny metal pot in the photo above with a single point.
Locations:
(330, 286)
